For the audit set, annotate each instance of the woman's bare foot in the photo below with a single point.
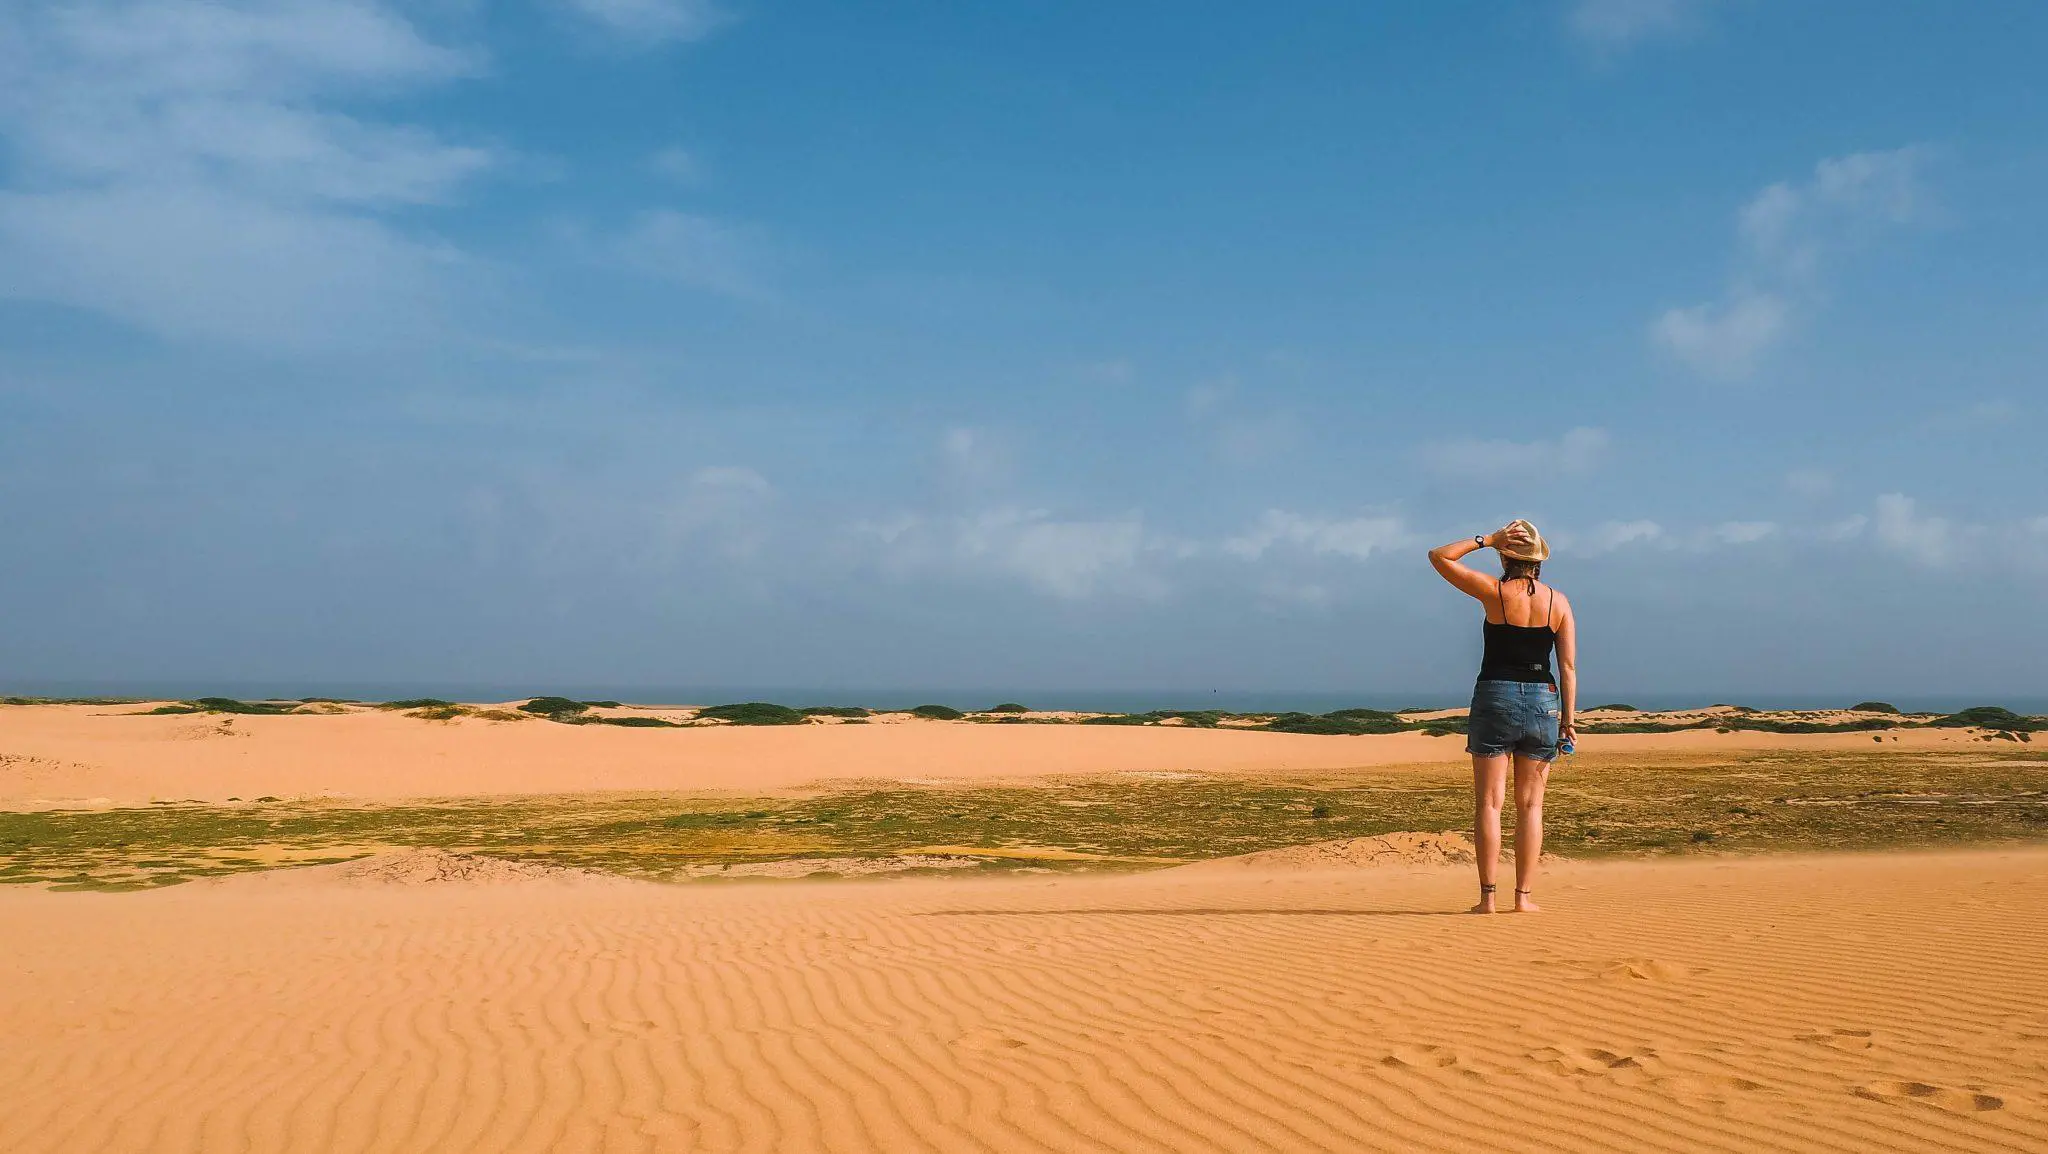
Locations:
(1525, 902)
(1485, 905)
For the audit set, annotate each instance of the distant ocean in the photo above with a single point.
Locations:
(1092, 700)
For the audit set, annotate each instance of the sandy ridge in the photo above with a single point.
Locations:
(70, 755)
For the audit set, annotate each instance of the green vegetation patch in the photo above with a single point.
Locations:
(1598, 806)
(834, 711)
(227, 705)
(938, 712)
(555, 708)
(1991, 717)
(1007, 707)
(754, 713)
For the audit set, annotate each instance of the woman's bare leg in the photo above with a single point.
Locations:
(1531, 776)
(1489, 790)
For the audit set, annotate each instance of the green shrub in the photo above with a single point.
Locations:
(1371, 720)
(602, 704)
(438, 713)
(833, 711)
(1991, 717)
(1117, 719)
(421, 703)
(1198, 718)
(554, 708)
(638, 722)
(753, 713)
(938, 712)
(1619, 708)
(1641, 726)
(1007, 707)
(1764, 725)
(227, 705)
(1873, 707)
(1311, 723)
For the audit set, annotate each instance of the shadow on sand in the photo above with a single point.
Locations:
(1198, 912)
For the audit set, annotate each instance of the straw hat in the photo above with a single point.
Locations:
(1524, 543)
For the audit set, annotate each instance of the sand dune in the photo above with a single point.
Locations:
(1848, 1004)
(68, 754)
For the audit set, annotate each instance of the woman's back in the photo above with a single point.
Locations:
(1519, 642)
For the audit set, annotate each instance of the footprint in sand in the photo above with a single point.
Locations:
(986, 1040)
(1954, 1101)
(1708, 1085)
(1587, 1060)
(1647, 970)
(1838, 1039)
(1421, 1058)
(1434, 1059)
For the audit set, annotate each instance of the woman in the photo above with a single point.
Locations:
(1516, 713)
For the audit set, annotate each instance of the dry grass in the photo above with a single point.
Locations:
(1609, 806)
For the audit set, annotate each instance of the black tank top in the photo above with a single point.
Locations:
(1519, 652)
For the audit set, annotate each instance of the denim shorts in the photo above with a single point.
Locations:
(1513, 717)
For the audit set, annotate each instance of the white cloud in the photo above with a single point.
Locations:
(1578, 451)
(971, 455)
(690, 250)
(1847, 529)
(730, 479)
(1618, 534)
(1812, 484)
(195, 263)
(651, 22)
(1357, 537)
(1069, 559)
(1785, 234)
(1725, 338)
(1743, 532)
(1208, 397)
(1113, 371)
(1901, 527)
(1613, 25)
(170, 154)
(1999, 412)
(722, 507)
(677, 164)
(1063, 558)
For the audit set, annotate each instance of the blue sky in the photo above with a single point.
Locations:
(1051, 346)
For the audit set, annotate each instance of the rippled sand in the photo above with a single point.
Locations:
(1852, 1004)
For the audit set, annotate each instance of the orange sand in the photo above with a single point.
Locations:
(1843, 1004)
(69, 755)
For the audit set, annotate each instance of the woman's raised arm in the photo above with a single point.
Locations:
(1472, 581)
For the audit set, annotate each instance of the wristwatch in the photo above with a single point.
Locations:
(1479, 539)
